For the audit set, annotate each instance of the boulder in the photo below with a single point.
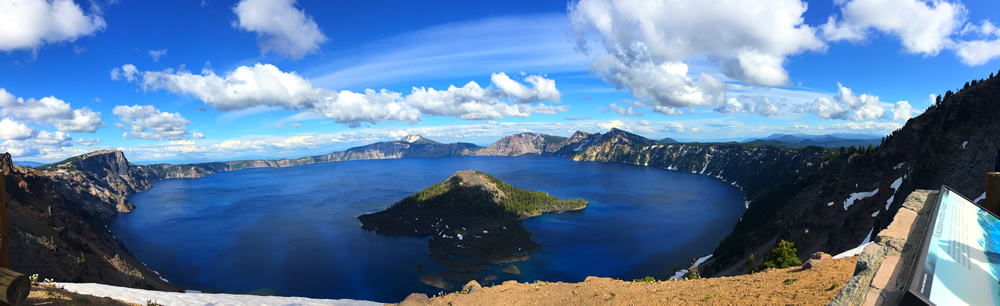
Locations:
(512, 269)
(436, 281)
(810, 263)
(415, 299)
(820, 256)
(471, 287)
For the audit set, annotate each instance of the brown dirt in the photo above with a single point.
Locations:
(45, 295)
(816, 286)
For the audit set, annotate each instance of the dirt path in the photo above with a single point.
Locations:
(816, 286)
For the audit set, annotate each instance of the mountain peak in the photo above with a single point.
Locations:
(416, 139)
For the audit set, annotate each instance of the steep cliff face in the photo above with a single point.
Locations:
(55, 237)
(523, 143)
(99, 181)
(857, 193)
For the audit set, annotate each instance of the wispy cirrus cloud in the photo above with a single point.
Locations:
(535, 43)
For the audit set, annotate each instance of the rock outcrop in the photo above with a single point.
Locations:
(524, 143)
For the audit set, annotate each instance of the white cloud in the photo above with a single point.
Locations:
(280, 27)
(922, 27)
(869, 126)
(543, 89)
(42, 144)
(847, 106)
(28, 24)
(747, 104)
(50, 110)
(978, 52)
(264, 85)
(902, 111)
(147, 122)
(621, 110)
(127, 71)
(663, 86)
(473, 102)
(88, 142)
(156, 54)
(197, 135)
(14, 130)
(750, 44)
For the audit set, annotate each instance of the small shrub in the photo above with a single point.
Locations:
(647, 279)
(789, 281)
(832, 287)
(709, 297)
(782, 256)
(34, 279)
(152, 303)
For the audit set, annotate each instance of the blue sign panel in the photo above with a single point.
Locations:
(957, 263)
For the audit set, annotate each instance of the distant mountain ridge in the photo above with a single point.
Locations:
(826, 141)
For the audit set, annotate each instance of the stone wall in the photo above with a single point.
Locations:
(883, 265)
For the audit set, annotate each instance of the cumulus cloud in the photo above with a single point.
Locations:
(848, 106)
(749, 104)
(147, 122)
(28, 24)
(156, 54)
(870, 126)
(40, 145)
(473, 102)
(280, 27)
(197, 135)
(978, 52)
(622, 110)
(902, 111)
(88, 142)
(14, 130)
(647, 41)
(264, 85)
(52, 111)
(923, 27)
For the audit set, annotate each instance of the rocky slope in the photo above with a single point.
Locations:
(523, 143)
(56, 237)
(858, 192)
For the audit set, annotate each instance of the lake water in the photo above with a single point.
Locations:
(294, 231)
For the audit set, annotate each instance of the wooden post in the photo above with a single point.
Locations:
(993, 193)
(14, 287)
(4, 239)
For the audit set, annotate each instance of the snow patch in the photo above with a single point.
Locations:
(858, 196)
(459, 236)
(964, 143)
(807, 231)
(706, 164)
(698, 262)
(899, 165)
(747, 205)
(876, 213)
(857, 250)
(140, 296)
(980, 198)
(829, 204)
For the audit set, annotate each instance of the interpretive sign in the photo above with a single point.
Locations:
(957, 261)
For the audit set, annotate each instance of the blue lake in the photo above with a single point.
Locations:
(294, 231)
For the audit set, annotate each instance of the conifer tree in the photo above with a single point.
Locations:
(694, 270)
(782, 256)
(751, 266)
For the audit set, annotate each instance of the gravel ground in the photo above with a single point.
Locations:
(816, 286)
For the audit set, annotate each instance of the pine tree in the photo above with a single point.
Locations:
(751, 266)
(694, 270)
(782, 256)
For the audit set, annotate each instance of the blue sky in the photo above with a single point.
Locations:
(181, 81)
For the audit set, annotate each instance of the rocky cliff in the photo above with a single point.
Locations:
(523, 143)
(58, 238)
